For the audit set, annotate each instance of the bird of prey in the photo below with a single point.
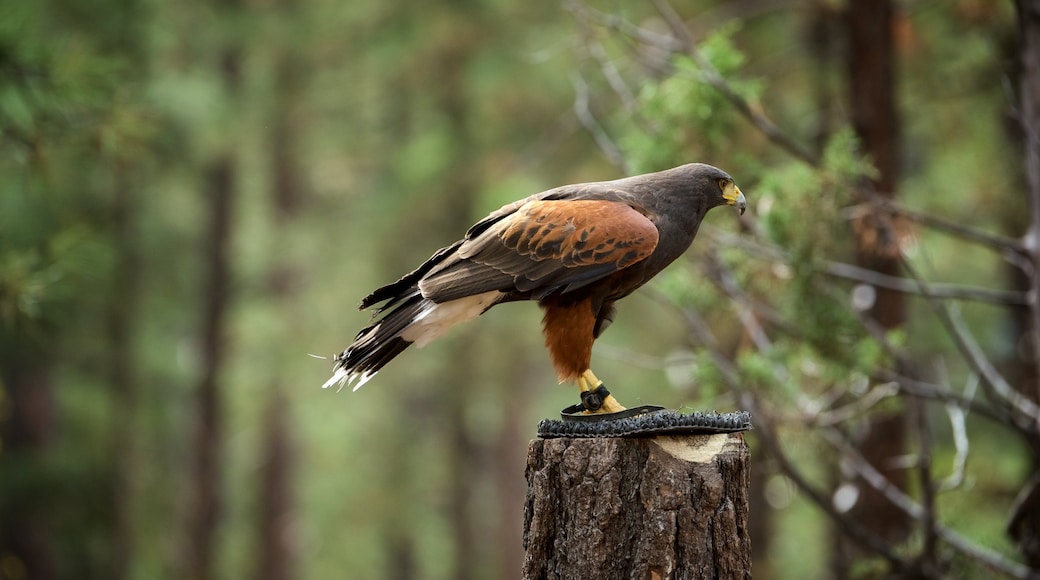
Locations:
(575, 250)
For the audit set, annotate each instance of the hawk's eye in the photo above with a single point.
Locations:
(723, 183)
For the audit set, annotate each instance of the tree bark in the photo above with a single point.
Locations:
(27, 431)
(205, 501)
(122, 315)
(277, 545)
(1024, 525)
(662, 507)
(872, 84)
(276, 542)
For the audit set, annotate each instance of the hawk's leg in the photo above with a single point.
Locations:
(569, 333)
(588, 382)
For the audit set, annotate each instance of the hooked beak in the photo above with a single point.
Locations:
(735, 197)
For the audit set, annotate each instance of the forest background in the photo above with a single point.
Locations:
(194, 196)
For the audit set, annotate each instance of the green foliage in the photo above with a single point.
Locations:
(804, 214)
(39, 283)
(804, 205)
(759, 370)
(682, 116)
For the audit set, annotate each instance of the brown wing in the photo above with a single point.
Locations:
(546, 246)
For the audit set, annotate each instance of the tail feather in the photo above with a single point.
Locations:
(377, 344)
(409, 318)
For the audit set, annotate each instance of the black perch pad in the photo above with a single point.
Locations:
(661, 422)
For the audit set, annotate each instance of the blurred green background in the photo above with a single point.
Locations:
(194, 196)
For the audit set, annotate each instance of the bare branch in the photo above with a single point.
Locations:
(919, 388)
(726, 281)
(726, 284)
(899, 284)
(768, 252)
(675, 24)
(681, 44)
(858, 407)
(592, 125)
(923, 464)
(977, 359)
(996, 242)
(594, 49)
(894, 495)
(960, 437)
(665, 43)
(850, 527)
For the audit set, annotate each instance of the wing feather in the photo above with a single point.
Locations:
(544, 246)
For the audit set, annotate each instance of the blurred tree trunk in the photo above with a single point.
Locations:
(822, 38)
(277, 547)
(872, 77)
(203, 511)
(27, 427)
(207, 442)
(400, 545)
(463, 455)
(1024, 525)
(122, 313)
(1029, 22)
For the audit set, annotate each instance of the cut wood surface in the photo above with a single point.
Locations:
(657, 507)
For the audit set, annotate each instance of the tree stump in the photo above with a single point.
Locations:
(656, 507)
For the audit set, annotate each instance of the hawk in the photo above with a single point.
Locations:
(575, 250)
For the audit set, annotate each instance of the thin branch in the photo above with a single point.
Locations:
(996, 242)
(919, 388)
(594, 49)
(961, 444)
(702, 332)
(905, 503)
(1027, 112)
(676, 45)
(908, 385)
(851, 528)
(923, 465)
(665, 43)
(977, 359)
(726, 281)
(640, 359)
(675, 24)
(610, 72)
(592, 125)
(711, 75)
(938, 290)
(771, 253)
(856, 408)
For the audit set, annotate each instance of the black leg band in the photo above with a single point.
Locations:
(593, 400)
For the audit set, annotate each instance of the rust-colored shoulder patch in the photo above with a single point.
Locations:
(581, 233)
